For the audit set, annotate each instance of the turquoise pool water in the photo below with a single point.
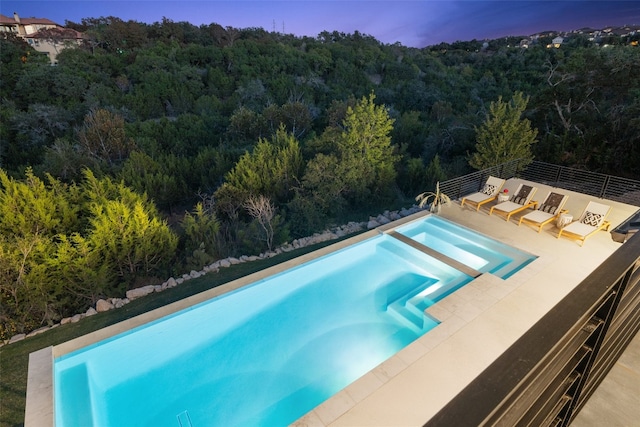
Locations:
(263, 355)
(479, 252)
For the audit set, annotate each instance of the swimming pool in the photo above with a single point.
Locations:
(265, 354)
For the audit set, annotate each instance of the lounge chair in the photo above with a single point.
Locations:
(488, 193)
(593, 219)
(520, 201)
(549, 210)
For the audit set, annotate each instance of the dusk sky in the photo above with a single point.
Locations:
(416, 23)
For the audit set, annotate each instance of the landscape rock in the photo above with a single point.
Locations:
(90, 312)
(102, 305)
(157, 288)
(394, 216)
(194, 274)
(224, 263)
(38, 331)
(234, 261)
(213, 270)
(171, 283)
(140, 292)
(179, 280)
(17, 337)
(77, 318)
(382, 219)
(372, 224)
(65, 320)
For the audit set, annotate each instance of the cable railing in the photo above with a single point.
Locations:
(595, 184)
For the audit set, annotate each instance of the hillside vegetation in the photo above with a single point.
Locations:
(155, 149)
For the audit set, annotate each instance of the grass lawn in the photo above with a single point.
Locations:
(14, 358)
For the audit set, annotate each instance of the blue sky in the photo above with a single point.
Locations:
(415, 23)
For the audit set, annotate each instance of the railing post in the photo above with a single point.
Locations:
(557, 180)
(605, 185)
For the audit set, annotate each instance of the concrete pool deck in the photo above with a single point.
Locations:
(478, 322)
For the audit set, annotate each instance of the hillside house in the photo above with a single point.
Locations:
(43, 35)
(556, 42)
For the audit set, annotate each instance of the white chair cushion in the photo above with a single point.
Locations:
(580, 228)
(538, 216)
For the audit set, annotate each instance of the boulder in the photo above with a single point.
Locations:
(90, 312)
(383, 219)
(65, 320)
(18, 337)
(394, 216)
(171, 283)
(77, 318)
(404, 212)
(38, 331)
(140, 292)
(372, 224)
(224, 263)
(194, 274)
(102, 305)
(234, 261)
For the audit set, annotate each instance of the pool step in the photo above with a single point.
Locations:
(407, 314)
(405, 307)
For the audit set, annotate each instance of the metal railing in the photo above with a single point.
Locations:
(603, 186)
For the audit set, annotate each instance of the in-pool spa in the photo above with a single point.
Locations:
(262, 355)
(479, 252)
